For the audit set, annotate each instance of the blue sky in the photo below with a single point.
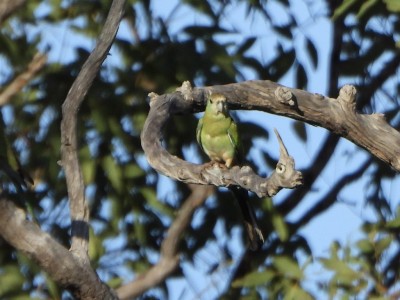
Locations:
(342, 221)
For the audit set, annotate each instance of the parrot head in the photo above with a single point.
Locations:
(218, 104)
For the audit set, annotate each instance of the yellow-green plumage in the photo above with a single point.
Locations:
(218, 136)
(217, 133)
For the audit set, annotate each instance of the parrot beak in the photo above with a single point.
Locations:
(221, 106)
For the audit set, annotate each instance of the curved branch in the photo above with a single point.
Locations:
(169, 258)
(52, 257)
(76, 190)
(371, 132)
(328, 146)
(163, 107)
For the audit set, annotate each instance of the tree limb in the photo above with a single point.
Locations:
(76, 190)
(328, 146)
(8, 7)
(52, 257)
(371, 132)
(169, 258)
(73, 270)
(38, 62)
(163, 107)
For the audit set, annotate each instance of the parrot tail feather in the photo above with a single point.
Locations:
(256, 237)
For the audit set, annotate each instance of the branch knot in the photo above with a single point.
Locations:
(186, 90)
(285, 96)
(347, 97)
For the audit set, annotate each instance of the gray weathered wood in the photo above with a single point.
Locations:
(370, 132)
(187, 100)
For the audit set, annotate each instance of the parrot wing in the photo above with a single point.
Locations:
(233, 135)
(198, 133)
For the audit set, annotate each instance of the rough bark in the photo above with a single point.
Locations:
(70, 269)
(371, 132)
(61, 265)
(8, 7)
(76, 190)
(184, 101)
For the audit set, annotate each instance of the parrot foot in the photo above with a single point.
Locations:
(213, 163)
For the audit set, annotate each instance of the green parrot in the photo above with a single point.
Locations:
(218, 137)
(9, 163)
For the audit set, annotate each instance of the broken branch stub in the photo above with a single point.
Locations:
(163, 107)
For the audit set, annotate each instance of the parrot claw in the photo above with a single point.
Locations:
(223, 166)
(213, 163)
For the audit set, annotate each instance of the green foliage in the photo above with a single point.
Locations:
(130, 211)
(11, 280)
(392, 5)
(282, 277)
(368, 267)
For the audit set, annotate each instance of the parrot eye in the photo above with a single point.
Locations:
(280, 168)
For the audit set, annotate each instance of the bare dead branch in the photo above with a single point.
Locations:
(52, 257)
(371, 132)
(330, 143)
(76, 190)
(37, 63)
(169, 257)
(8, 7)
(73, 271)
(163, 107)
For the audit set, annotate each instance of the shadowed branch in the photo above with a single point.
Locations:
(169, 257)
(69, 146)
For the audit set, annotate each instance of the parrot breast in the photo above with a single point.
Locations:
(216, 141)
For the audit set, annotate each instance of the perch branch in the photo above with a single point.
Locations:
(37, 63)
(76, 190)
(51, 256)
(182, 101)
(371, 132)
(169, 258)
(329, 145)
